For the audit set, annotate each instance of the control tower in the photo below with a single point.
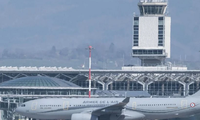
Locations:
(151, 33)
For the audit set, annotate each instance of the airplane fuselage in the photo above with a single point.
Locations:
(150, 108)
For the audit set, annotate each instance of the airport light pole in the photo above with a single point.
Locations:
(90, 64)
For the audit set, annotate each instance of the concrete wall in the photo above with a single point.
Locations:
(168, 36)
(148, 32)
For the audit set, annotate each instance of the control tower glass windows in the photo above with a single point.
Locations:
(148, 52)
(161, 31)
(136, 31)
(141, 10)
(152, 9)
(136, 20)
(161, 18)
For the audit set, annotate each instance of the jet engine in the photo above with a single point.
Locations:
(133, 115)
(83, 116)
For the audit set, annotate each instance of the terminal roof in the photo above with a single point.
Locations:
(38, 81)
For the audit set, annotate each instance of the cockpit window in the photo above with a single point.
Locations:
(23, 105)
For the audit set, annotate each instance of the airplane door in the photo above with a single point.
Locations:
(134, 105)
(184, 103)
(65, 105)
(34, 106)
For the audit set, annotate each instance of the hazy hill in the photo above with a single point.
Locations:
(29, 29)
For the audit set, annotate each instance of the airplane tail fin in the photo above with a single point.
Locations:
(197, 94)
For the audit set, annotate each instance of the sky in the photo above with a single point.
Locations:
(40, 24)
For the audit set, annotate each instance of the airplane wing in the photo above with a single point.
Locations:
(112, 109)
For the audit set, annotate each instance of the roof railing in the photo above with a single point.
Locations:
(153, 1)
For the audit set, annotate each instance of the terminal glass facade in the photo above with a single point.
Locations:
(22, 91)
(126, 85)
(194, 87)
(166, 88)
(85, 84)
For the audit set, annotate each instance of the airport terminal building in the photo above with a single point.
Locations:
(18, 86)
(41, 86)
(16, 91)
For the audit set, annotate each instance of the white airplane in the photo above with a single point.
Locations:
(111, 108)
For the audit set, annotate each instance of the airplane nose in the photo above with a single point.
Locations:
(18, 110)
